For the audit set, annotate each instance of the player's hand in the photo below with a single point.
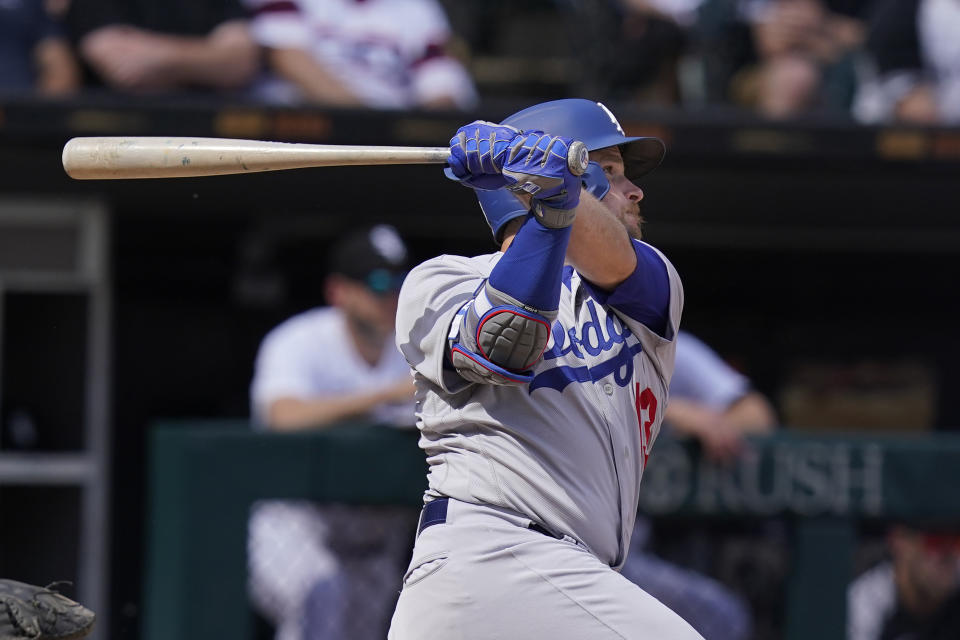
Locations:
(537, 163)
(722, 443)
(400, 392)
(129, 58)
(477, 154)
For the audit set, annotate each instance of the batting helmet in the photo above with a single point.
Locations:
(499, 207)
(594, 125)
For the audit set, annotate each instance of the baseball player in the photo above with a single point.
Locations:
(542, 373)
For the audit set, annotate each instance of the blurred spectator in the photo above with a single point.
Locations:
(913, 71)
(915, 595)
(630, 50)
(35, 55)
(654, 35)
(376, 53)
(149, 46)
(713, 403)
(334, 571)
(804, 52)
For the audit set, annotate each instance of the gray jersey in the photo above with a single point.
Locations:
(567, 449)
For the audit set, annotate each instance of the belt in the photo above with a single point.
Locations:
(436, 513)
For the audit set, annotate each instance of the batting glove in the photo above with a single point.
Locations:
(477, 154)
(538, 164)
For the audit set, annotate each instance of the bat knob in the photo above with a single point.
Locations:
(577, 158)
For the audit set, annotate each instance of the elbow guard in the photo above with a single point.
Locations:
(496, 340)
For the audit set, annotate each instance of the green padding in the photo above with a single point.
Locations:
(205, 475)
(811, 475)
(821, 569)
(202, 482)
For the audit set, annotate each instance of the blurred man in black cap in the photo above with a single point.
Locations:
(339, 361)
(333, 571)
(915, 594)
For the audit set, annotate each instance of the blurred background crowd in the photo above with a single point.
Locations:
(274, 306)
(874, 61)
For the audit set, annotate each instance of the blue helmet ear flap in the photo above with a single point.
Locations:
(499, 207)
(595, 180)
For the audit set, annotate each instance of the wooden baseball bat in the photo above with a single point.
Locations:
(119, 158)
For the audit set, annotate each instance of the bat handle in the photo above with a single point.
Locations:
(577, 158)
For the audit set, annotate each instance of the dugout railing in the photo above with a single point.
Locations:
(204, 476)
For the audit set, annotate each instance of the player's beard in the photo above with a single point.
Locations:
(633, 220)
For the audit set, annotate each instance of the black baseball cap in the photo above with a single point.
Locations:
(376, 256)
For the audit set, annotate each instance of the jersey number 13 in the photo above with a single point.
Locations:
(646, 404)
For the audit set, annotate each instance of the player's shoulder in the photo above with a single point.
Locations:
(672, 274)
(311, 318)
(692, 346)
(871, 598)
(696, 358)
(442, 277)
(453, 265)
(874, 585)
(304, 326)
(656, 251)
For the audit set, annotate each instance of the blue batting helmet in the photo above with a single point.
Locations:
(499, 207)
(594, 125)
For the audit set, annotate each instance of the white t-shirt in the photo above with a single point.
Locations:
(871, 600)
(701, 376)
(938, 22)
(312, 354)
(390, 53)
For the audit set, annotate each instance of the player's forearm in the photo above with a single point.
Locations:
(296, 414)
(531, 269)
(503, 331)
(752, 414)
(690, 418)
(440, 103)
(600, 248)
(227, 58)
(770, 40)
(57, 70)
(318, 84)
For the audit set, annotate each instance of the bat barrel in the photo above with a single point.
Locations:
(113, 158)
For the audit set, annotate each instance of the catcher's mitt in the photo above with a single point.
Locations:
(40, 613)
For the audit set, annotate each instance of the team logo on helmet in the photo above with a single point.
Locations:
(612, 117)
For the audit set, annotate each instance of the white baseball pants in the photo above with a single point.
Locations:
(483, 574)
